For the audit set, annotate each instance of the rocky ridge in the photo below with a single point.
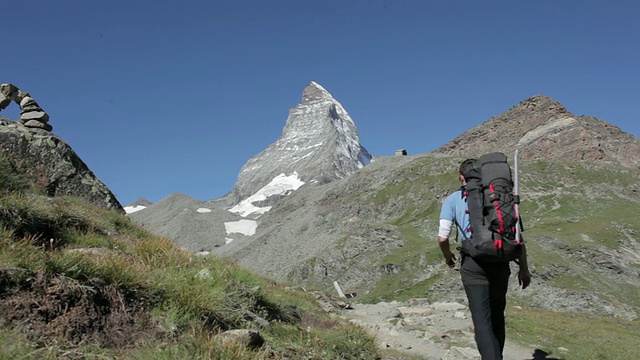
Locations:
(545, 130)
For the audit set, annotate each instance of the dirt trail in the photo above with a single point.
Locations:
(433, 331)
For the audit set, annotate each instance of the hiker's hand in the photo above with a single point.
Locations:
(450, 260)
(524, 278)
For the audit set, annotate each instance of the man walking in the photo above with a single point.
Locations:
(485, 283)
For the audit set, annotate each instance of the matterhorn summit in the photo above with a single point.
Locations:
(319, 144)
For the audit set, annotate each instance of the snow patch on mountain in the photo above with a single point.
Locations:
(280, 185)
(132, 209)
(245, 227)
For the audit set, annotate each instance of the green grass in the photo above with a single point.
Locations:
(571, 282)
(416, 253)
(15, 345)
(10, 180)
(585, 336)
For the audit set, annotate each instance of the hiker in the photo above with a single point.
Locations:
(485, 283)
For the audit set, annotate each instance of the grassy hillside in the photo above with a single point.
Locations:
(80, 282)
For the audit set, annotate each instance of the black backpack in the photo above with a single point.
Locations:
(493, 210)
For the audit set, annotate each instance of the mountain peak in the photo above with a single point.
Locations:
(314, 92)
(319, 143)
(544, 129)
(541, 103)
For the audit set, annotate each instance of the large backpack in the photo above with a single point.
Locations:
(493, 207)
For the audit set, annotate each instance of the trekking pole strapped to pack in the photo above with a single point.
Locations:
(516, 192)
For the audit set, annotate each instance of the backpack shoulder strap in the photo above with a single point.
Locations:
(463, 194)
(461, 230)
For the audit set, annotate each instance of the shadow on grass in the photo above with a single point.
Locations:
(542, 355)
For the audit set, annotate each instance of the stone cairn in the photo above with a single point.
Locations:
(31, 114)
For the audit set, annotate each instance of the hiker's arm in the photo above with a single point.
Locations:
(449, 257)
(524, 276)
(444, 231)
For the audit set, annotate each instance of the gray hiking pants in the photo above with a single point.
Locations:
(486, 287)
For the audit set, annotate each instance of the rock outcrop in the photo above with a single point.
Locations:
(545, 130)
(51, 165)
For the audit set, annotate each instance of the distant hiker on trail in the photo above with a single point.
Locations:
(485, 279)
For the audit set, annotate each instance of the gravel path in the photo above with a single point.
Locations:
(433, 331)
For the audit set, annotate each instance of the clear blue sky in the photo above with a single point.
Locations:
(165, 96)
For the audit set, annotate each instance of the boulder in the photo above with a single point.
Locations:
(51, 165)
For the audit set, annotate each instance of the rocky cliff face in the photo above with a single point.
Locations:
(51, 165)
(319, 143)
(545, 130)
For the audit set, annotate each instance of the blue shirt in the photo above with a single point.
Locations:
(455, 209)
